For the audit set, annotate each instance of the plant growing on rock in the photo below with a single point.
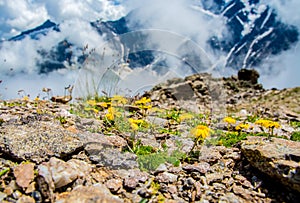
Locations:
(144, 105)
(230, 121)
(242, 126)
(200, 133)
(268, 124)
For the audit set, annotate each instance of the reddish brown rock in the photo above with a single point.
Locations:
(24, 174)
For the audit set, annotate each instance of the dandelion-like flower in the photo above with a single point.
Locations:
(242, 126)
(111, 114)
(136, 123)
(201, 132)
(144, 103)
(229, 120)
(267, 123)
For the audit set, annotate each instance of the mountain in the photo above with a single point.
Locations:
(37, 32)
(254, 28)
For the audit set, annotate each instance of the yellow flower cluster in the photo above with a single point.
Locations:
(144, 103)
(136, 123)
(91, 109)
(267, 123)
(110, 114)
(201, 132)
(98, 104)
(229, 120)
(118, 100)
(242, 126)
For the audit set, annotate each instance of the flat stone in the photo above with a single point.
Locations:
(201, 167)
(209, 154)
(111, 157)
(278, 158)
(166, 177)
(130, 183)
(37, 141)
(24, 174)
(97, 193)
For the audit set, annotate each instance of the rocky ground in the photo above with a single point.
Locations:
(52, 152)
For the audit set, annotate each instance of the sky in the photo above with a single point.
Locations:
(18, 60)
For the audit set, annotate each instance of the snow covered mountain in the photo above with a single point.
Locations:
(254, 34)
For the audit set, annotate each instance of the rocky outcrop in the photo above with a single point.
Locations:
(278, 158)
(249, 75)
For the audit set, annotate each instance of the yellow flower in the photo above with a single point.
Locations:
(201, 131)
(185, 116)
(110, 116)
(118, 99)
(144, 103)
(242, 126)
(229, 120)
(91, 109)
(267, 123)
(111, 113)
(134, 126)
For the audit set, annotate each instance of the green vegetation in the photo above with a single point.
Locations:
(150, 162)
(295, 136)
(4, 171)
(295, 124)
(231, 138)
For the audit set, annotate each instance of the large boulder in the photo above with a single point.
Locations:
(278, 158)
(250, 75)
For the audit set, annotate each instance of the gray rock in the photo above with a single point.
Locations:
(166, 177)
(37, 141)
(111, 157)
(230, 197)
(277, 158)
(214, 177)
(161, 168)
(130, 183)
(201, 167)
(209, 154)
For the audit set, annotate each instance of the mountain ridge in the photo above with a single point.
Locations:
(255, 34)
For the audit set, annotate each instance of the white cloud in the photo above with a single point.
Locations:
(19, 16)
(16, 17)
(74, 17)
(285, 67)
